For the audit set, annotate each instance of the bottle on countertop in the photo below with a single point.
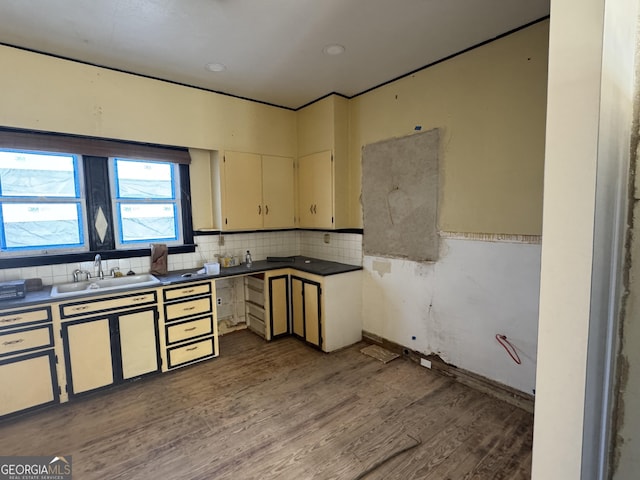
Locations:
(248, 259)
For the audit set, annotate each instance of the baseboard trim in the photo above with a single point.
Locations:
(473, 380)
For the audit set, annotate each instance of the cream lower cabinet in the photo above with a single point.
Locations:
(109, 340)
(267, 303)
(190, 324)
(277, 304)
(327, 311)
(307, 310)
(28, 376)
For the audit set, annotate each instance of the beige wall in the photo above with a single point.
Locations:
(490, 104)
(45, 93)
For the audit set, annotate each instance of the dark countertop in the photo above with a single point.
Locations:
(314, 266)
(304, 264)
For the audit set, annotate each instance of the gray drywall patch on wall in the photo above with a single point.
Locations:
(400, 197)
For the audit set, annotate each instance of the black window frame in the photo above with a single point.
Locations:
(97, 191)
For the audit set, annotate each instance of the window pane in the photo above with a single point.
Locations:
(38, 225)
(37, 175)
(145, 222)
(144, 179)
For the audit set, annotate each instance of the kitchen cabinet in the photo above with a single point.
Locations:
(327, 310)
(257, 191)
(254, 301)
(307, 310)
(315, 187)
(190, 324)
(109, 340)
(267, 303)
(28, 376)
(278, 303)
(327, 199)
(278, 192)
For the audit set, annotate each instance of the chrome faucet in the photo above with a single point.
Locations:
(98, 263)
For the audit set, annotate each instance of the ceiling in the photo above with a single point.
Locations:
(272, 49)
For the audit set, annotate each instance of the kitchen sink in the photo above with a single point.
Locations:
(96, 286)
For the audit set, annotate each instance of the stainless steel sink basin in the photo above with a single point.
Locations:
(96, 287)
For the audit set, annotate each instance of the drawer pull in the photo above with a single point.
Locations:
(189, 329)
(13, 342)
(192, 349)
(10, 319)
(186, 309)
(80, 308)
(138, 299)
(190, 290)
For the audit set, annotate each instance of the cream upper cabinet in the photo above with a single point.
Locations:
(324, 171)
(242, 207)
(258, 191)
(278, 192)
(315, 187)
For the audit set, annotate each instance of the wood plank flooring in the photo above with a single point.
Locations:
(282, 410)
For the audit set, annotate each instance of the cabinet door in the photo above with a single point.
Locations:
(297, 303)
(27, 381)
(307, 313)
(138, 343)
(315, 190)
(277, 192)
(88, 354)
(243, 191)
(279, 305)
(312, 312)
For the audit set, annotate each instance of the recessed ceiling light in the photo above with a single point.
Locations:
(215, 67)
(333, 49)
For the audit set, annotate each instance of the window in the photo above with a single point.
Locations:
(145, 202)
(42, 208)
(64, 197)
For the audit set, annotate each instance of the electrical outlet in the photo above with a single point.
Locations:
(425, 363)
(327, 238)
(219, 302)
(221, 241)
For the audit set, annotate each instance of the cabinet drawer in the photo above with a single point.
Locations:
(189, 308)
(189, 290)
(20, 317)
(112, 304)
(26, 339)
(255, 311)
(256, 325)
(182, 331)
(189, 353)
(255, 296)
(255, 283)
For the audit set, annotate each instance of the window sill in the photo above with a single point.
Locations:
(36, 261)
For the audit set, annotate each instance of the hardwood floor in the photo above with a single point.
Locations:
(282, 410)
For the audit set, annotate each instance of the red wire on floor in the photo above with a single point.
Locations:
(511, 350)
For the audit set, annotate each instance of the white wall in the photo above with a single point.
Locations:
(454, 307)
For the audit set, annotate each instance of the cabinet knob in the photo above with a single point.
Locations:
(266, 209)
(259, 209)
(311, 208)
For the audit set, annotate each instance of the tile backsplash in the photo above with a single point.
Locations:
(342, 247)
